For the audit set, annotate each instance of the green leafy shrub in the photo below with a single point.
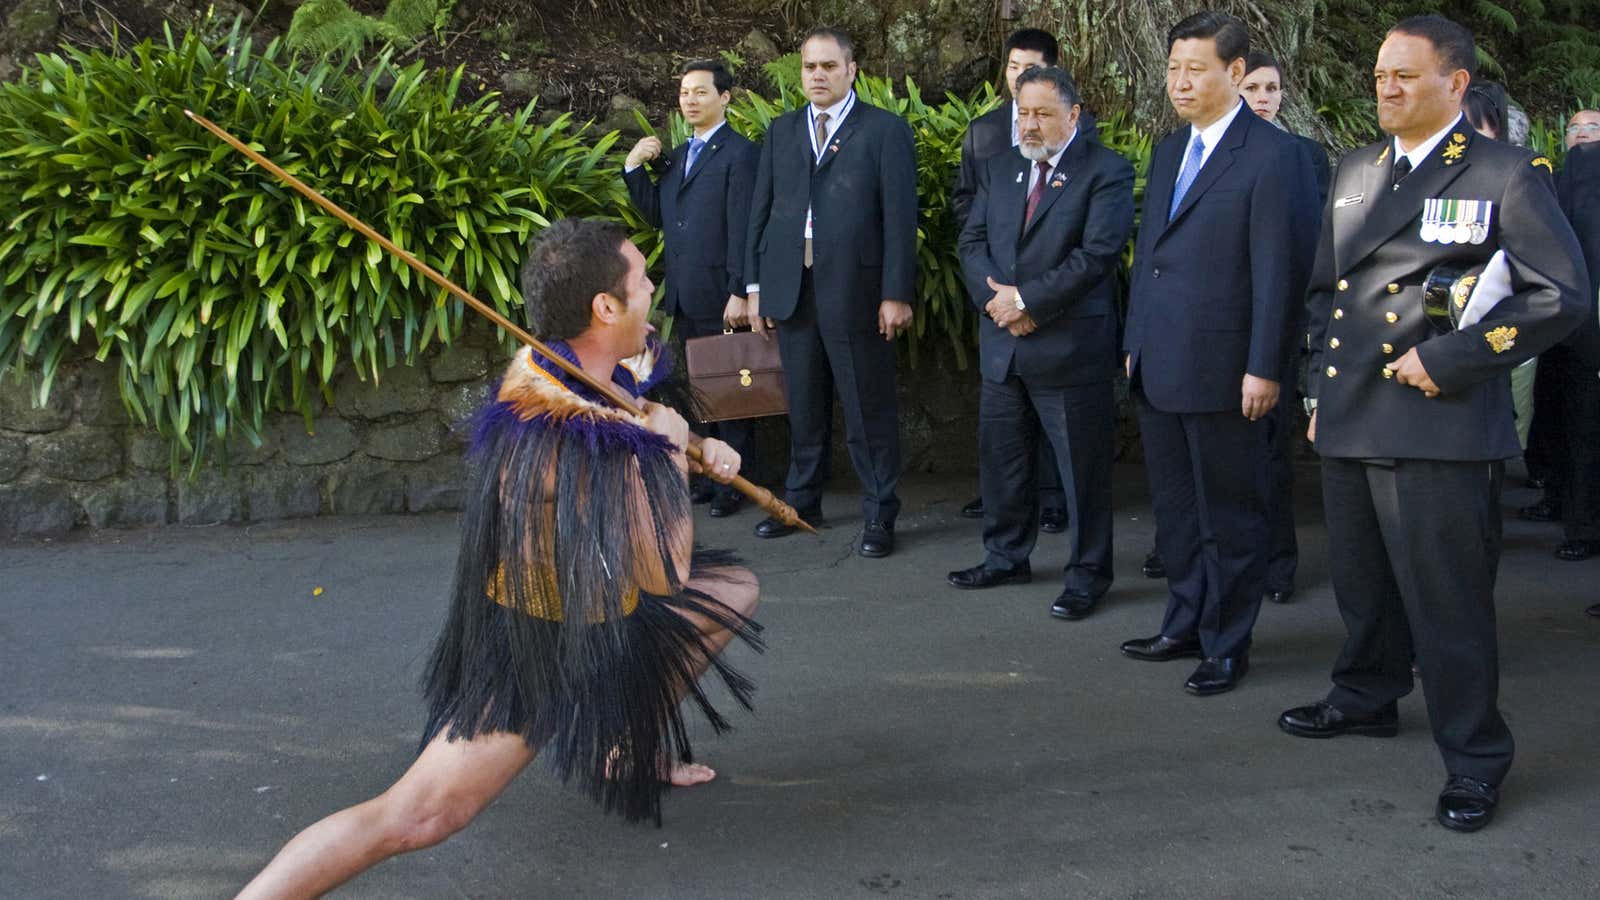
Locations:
(218, 292)
(332, 28)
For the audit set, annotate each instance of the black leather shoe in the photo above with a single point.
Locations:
(1153, 566)
(1324, 720)
(973, 510)
(1217, 675)
(1594, 610)
(701, 490)
(1466, 804)
(1573, 551)
(877, 539)
(1537, 484)
(1053, 521)
(979, 577)
(1074, 604)
(1283, 596)
(1161, 648)
(773, 528)
(725, 505)
(1543, 511)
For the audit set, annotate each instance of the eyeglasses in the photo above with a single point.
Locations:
(1584, 128)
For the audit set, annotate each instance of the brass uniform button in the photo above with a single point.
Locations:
(1394, 288)
(1391, 318)
(1332, 371)
(1334, 343)
(1388, 372)
(1338, 314)
(1388, 348)
(1344, 285)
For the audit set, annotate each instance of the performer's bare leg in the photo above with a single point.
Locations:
(739, 590)
(449, 784)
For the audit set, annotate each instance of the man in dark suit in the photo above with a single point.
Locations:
(1222, 255)
(1263, 92)
(1414, 420)
(1567, 375)
(992, 134)
(832, 260)
(702, 201)
(1039, 254)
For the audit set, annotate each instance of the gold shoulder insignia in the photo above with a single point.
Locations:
(1544, 161)
(1381, 157)
(1454, 151)
(1502, 339)
(1458, 138)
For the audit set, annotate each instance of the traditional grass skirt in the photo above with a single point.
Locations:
(607, 713)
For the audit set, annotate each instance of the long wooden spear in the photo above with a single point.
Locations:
(779, 510)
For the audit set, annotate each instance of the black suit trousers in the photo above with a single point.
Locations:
(1015, 418)
(740, 434)
(1414, 547)
(1208, 485)
(1574, 463)
(817, 357)
(1284, 558)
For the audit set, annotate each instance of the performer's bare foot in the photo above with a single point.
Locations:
(690, 774)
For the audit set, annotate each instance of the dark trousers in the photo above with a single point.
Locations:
(1575, 463)
(1415, 545)
(739, 434)
(1284, 557)
(817, 357)
(1547, 438)
(1015, 417)
(1208, 485)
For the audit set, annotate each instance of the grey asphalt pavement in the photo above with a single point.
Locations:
(175, 703)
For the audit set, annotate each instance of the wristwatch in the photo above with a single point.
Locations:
(1018, 296)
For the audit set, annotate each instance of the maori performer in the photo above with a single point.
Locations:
(581, 615)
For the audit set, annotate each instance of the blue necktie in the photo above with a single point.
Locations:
(694, 153)
(1186, 176)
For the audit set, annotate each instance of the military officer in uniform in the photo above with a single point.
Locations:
(1413, 422)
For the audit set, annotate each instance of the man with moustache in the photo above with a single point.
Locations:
(702, 203)
(1220, 262)
(1039, 254)
(1414, 419)
(832, 264)
(992, 134)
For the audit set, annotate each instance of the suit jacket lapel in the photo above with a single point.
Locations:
(1057, 185)
(704, 157)
(1163, 178)
(841, 135)
(1394, 210)
(1220, 161)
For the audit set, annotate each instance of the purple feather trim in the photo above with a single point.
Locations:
(597, 435)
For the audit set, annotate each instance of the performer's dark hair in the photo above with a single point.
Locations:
(1036, 39)
(1066, 89)
(1259, 60)
(568, 263)
(846, 46)
(1451, 40)
(720, 76)
(1231, 35)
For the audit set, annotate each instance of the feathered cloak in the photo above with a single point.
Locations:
(549, 635)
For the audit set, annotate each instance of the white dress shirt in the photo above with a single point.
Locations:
(1211, 135)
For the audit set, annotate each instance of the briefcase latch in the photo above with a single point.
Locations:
(744, 378)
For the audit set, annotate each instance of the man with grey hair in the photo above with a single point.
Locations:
(1039, 254)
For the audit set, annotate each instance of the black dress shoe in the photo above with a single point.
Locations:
(1466, 804)
(1161, 648)
(1324, 720)
(973, 510)
(984, 576)
(701, 490)
(1537, 484)
(1217, 675)
(725, 505)
(1153, 566)
(877, 539)
(774, 528)
(1573, 551)
(1594, 610)
(1074, 604)
(1543, 511)
(1053, 521)
(1282, 596)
